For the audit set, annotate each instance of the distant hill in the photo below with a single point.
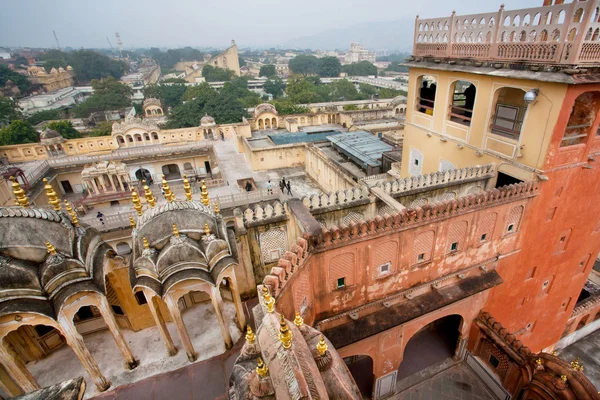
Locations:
(393, 35)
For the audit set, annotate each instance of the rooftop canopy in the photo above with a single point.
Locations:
(362, 147)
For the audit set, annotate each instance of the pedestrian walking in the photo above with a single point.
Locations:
(282, 187)
(269, 188)
(222, 136)
(100, 217)
(289, 188)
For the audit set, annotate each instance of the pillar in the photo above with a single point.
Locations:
(160, 322)
(110, 320)
(95, 186)
(17, 372)
(461, 349)
(75, 341)
(120, 183)
(385, 386)
(217, 302)
(237, 300)
(102, 182)
(181, 330)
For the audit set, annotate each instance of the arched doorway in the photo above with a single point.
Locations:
(123, 248)
(432, 344)
(171, 171)
(361, 368)
(143, 174)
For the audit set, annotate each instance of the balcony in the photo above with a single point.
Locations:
(560, 34)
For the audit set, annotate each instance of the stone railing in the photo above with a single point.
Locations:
(260, 213)
(115, 221)
(123, 154)
(374, 177)
(37, 172)
(453, 176)
(245, 198)
(553, 34)
(408, 218)
(341, 197)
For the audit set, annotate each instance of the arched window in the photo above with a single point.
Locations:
(462, 102)
(572, 35)
(510, 109)
(536, 19)
(426, 98)
(578, 16)
(154, 135)
(581, 119)
(544, 36)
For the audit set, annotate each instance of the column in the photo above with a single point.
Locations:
(120, 183)
(75, 341)
(217, 302)
(181, 330)
(160, 322)
(17, 372)
(96, 190)
(102, 182)
(385, 386)
(237, 300)
(110, 320)
(461, 349)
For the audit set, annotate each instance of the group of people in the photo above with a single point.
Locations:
(283, 186)
(427, 96)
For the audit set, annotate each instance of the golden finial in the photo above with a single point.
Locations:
(148, 194)
(72, 213)
(250, 336)
(51, 194)
(298, 321)
(555, 353)
(51, 249)
(175, 230)
(137, 203)
(217, 209)
(261, 368)
(187, 188)
(580, 367)
(204, 194)
(269, 301)
(206, 229)
(145, 241)
(132, 222)
(538, 361)
(563, 378)
(285, 335)
(20, 196)
(575, 363)
(170, 196)
(322, 346)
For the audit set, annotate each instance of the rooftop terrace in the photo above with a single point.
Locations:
(559, 34)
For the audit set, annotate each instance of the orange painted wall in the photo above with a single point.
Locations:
(569, 207)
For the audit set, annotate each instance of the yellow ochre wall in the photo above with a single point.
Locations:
(540, 118)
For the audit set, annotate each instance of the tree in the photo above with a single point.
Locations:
(7, 74)
(363, 68)
(304, 65)
(275, 87)
(329, 66)
(65, 128)
(267, 70)
(343, 89)
(109, 94)
(90, 65)
(9, 111)
(386, 93)
(47, 115)
(20, 60)
(216, 74)
(241, 61)
(238, 89)
(18, 132)
(104, 128)
(286, 107)
(203, 91)
(302, 91)
(170, 95)
(350, 107)
(53, 63)
(367, 90)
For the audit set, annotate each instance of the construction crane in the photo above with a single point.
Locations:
(120, 44)
(56, 37)
(110, 44)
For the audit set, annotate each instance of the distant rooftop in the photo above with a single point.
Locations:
(307, 136)
(560, 34)
(362, 147)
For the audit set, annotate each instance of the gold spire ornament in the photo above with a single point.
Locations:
(53, 199)
(132, 222)
(187, 188)
(563, 378)
(206, 229)
(51, 249)
(322, 346)
(146, 244)
(250, 336)
(298, 320)
(20, 196)
(269, 301)
(204, 194)
(285, 335)
(175, 230)
(170, 196)
(148, 194)
(137, 203)
(261, 369)
(217, 209)
(72, 213)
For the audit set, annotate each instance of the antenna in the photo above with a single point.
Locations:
(109, 43)
(56, 37)
(120, 44)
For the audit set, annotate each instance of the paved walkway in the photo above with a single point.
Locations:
(588, 352)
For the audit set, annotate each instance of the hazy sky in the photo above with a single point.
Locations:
(173, 23)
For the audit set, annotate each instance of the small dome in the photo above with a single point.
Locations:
(150, 101)
(50, 134)
(61, 69)
(53, 71)
(69, 68)
(263, 108)
(207, 120)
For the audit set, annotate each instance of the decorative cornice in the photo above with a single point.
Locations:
(135, 122)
